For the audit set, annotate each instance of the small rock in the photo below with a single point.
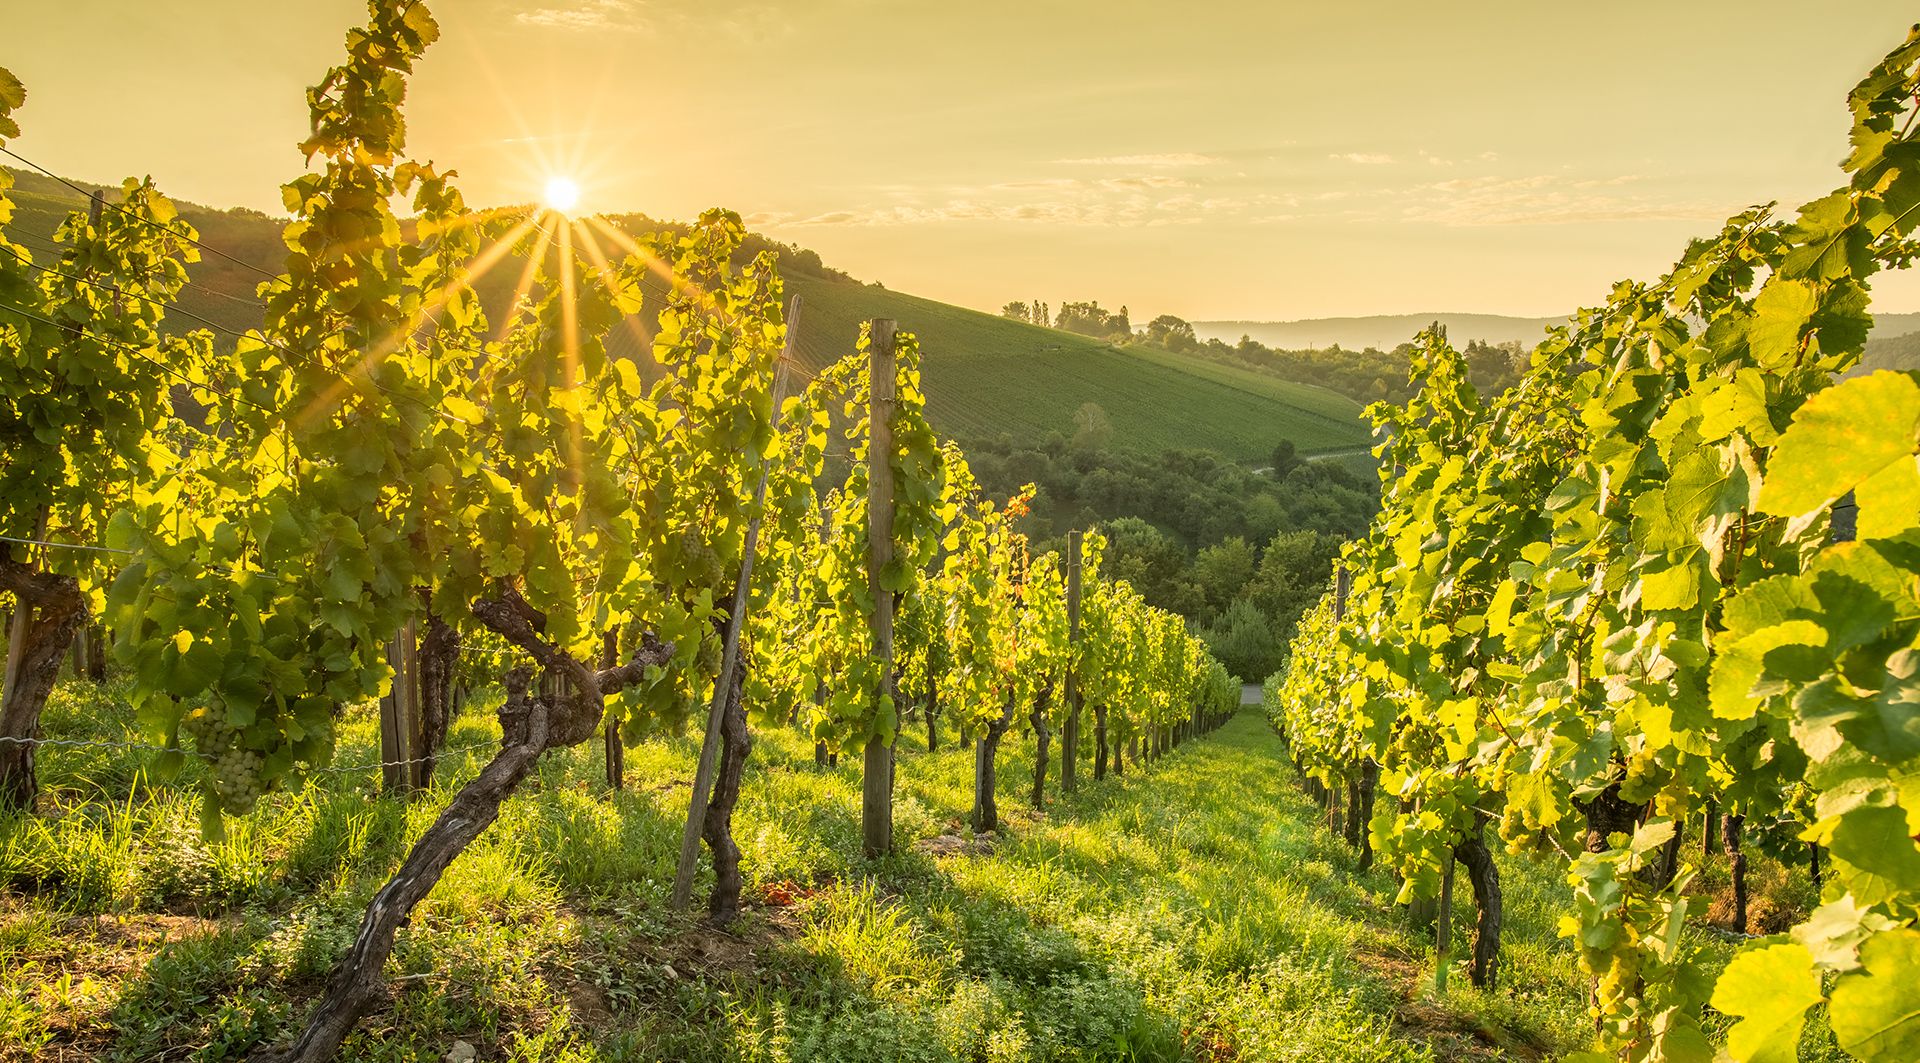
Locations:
(461, 1052)
(671, 973)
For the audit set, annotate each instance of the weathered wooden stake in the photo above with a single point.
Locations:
(876, 785)
(1443, 928)
(1070, 734)
(401, 730)
(616, 749)
(723, 684)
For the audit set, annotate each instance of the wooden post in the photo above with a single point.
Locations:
(1443, 928)
(616, 756)
(729, 652)
(615, 748)
(401, 730)
(1070, 734)
(876, 784)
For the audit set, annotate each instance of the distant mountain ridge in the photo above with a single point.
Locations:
(1383, 331)
(1387, 331)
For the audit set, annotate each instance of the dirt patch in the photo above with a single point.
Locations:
(1452, 1034)
(1765, 915)
(956, 845)
(1456, 1036)
(80, 978)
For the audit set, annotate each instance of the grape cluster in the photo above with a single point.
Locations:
(702, 561)
(236, 769)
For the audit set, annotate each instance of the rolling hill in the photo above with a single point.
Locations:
(984, 375)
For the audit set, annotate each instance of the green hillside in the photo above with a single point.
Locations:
(985, 375)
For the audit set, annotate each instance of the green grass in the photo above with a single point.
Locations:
(1157, 916)
(1193, 909)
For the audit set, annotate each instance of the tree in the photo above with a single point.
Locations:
(1091, 429)
(1244, 640)
(1284, 460)
(1172, 333)
(1294, 571)
(1222, 570)
(1017, 311)
(1090, 319)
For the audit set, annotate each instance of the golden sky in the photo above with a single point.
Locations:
(1214, 160)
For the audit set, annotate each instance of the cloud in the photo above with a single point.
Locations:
(596, 16)
(832, 217)
(1143, 184)
(1547, 199)
(1169, 160)
(1037, 184)
(1362, 158)
(1135, 210)
(751, 22)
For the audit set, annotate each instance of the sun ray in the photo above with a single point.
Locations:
(658, 267)
(643, 342)
(525, 284)
(427, 315)
(570, 349)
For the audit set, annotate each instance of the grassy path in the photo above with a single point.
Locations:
(1189, 910)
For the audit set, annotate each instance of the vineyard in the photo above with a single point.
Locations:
(1666, 589)
(377, 493)
(399, 677)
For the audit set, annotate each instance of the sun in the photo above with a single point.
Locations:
(563, 194)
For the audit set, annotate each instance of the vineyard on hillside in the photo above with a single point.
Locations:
(1669, 583)
(984, 375)
(378, 493)
(381, 659)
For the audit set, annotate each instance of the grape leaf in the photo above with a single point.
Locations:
(1841, 438)
(1876, 1012)
(1770, 988)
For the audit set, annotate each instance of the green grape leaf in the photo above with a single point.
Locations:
(1782, 312)
(1842, 437)
(1877, 841)
(1834, 931)
(1671, 587)
(1889, 500)
(1876, 1011)
(1770, 988)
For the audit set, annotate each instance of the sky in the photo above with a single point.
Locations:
(1262, 161)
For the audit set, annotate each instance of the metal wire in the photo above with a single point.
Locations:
(83, 743)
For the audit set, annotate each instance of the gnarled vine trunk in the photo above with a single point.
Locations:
(986, 810)
(933, 712)
(1099, 741)
(1607, 814)
(1670, 856)
(1363, 811)
(1731, 829)
(723, 904)
(1043, 741)
(51, 610)
(564, 714)
(439, 655)
(1472, 853)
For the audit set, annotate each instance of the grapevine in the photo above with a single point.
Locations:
(1612, 600)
